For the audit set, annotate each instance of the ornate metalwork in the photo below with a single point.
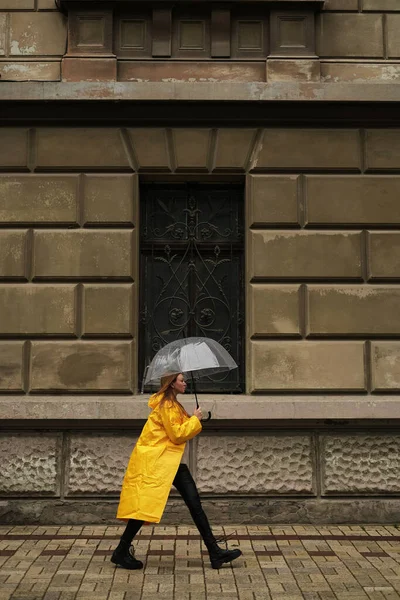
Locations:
(192, 272)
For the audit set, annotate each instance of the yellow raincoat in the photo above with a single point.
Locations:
(154, 461)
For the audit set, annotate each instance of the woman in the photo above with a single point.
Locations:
(154, 466)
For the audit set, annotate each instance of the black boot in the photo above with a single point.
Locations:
(219, 556)
(123, 556)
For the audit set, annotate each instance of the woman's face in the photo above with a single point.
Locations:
(179, 384)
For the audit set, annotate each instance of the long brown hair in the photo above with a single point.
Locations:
(167, 391)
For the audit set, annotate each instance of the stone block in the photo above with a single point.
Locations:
(47, 5)
(274, 310)
(357, 200)
(151, 149)
(13, 147)
(38, 198)
(29, 464)
(272, 199)
(29, 309)
(341, 5)
(17, 4)
(376, 5)
(393, 41)
(12, 254)
(94, 466)
(384, 255)
(383, 148)
(191, 71)
(110, 199)
(192, 148)
(385, 366)
(304, 255)
(233, 148)
(30, 71)
(353, 310)
(83, 254)
(89, 69)
(351, 35)
(81, 147)
(108, 310)
(309, 149)
(81, 366)
(361, 464)
(255, 464)
(3, 25)
(306, 366)
(11, 366)
(360, 73)
(34, 34)
(293, 70)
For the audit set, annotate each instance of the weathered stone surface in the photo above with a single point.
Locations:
(385, 364)
(353, 310)
(13, 146)
(29, 464)
(108, 309)
(307, 366)
(293, 70)
(94, 465)
(174, 71)
(29, 309)
(341, 5)
(11, 366)
(30, 71)
(17, 4)
(351, 35)
(12, 254)
(83, 253)
(33, 34)
(272, 199)
(191, 148)
(88, 366)
(274, 310)
(303, 254)
(361, 464)
(151, 148)
(383, 148)
(393, 25)
(309, 149)
(38, 198)
(233, 148)
(356, 200)
(384, 255)
(375, 5)
(89, 69)
(110, 198)
(80, 147)
(3, 23)
(46, 5)
(360, 73)
(255, 464)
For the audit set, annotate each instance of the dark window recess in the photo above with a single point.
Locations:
(191, 280)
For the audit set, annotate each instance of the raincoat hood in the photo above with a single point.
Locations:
(155, 400)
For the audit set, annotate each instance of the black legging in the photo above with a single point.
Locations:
(186, 486)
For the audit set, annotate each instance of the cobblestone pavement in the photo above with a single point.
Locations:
(280, 562)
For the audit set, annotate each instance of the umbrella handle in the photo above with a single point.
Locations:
(197, 402)
(208, 418)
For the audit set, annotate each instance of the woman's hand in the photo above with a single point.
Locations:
(197, 413)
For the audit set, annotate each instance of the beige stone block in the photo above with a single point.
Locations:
(264, 464)
(34, 34)
(38, 198)
(30, 71)
(29, 464)
(309, 149)
(47, 5)
(357, 200)
(94, 467)
(11, 366)
(3, 25)
(191, 71)
(191, 148)
(272, 199)
(376, 5)
(382, 148)
(344, 34)
(81, 366)
(83, 253)
(361, 464)
(151, 148)
(12, 254)
(108, 309)
(393, 41)
(110, 199)
(304, 254)
(88, 69)
(13, 147)
(29, 309)
(307, 366)
(353, 310)
(384, 255)
(17, 4)
(274, 310)
(293, 70)
(341, 5)
(360, 73)
(385, 366)
(80, 147)
(233, 148)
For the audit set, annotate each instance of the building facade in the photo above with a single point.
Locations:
(223, 169)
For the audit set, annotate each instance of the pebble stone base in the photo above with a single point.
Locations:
(283, 563)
